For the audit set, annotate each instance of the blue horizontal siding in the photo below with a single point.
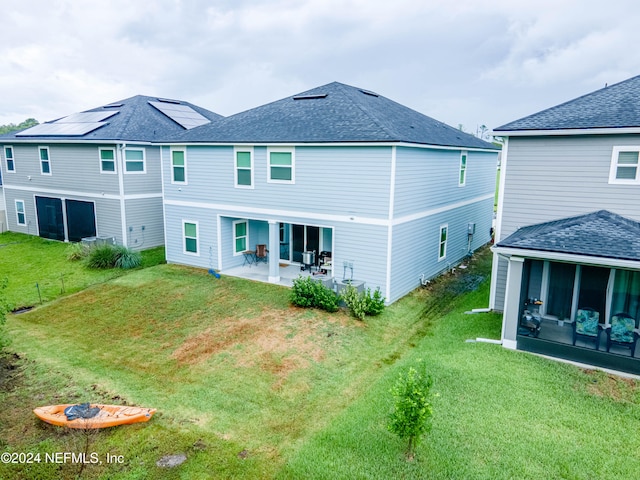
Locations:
(429, 178)
(415, 244)
(337, 180)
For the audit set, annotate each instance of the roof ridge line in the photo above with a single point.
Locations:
(368, 113)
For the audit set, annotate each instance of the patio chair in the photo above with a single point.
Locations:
(261, 253)
(586, 325)
(622, 332)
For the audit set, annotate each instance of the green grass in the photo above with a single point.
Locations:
(248, 386)
(38, 270)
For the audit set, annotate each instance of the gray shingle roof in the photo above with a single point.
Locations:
(331, 113)
(136, 120)
(615, 106)
(598, 234)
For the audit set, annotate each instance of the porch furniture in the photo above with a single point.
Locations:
(622, 332)
(261, 253)
(249, 257)
(587, 326)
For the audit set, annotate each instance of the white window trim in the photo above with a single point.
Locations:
(48, 161)
(184, 238)
(144, 161)
(115, 160)
(446, 240)
(290, 150)
(234, 238)
(24, 212)
(13, 159)
(463, 154)
(614, 166)
(236, 150)
(184, 155)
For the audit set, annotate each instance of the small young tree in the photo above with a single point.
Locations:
(412, 410)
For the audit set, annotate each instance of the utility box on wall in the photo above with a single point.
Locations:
(471, 228)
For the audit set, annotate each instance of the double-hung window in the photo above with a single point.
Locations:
(107, 160)
(45, 161)
(243, 170)
(134, 160)
(462, 178)
(240, 236)
(442, 244)
(281, 165)
(20, 214)
(625, 165)
(190, 235)
(178, 166)
(8, 155)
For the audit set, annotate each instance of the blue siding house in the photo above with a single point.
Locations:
(336, 179)
(94, 173)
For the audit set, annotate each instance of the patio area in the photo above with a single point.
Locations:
(260, 273)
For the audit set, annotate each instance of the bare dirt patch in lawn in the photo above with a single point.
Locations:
(276, 341)
(621, 389)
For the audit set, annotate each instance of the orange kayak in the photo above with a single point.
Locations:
(108, 416)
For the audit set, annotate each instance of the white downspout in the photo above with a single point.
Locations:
(123, 216)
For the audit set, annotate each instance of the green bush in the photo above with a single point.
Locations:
(356, 301)
(102, 256)
(309, 293)
(363, 303)
(127, 258)
(77, 251)
(375, 302)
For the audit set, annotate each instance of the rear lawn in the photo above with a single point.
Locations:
(38, 271)
(249, 387)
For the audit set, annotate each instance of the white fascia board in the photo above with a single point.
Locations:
(329, 144)
(76, 193)
(76, 141)
(567, 257)
(567, 131)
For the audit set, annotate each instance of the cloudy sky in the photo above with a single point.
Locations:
(469, 62)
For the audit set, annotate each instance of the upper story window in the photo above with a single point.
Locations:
(107, 160)
(134, 160)
(8, 155)
(178, 166)
(625, 167)
(281, 165)
(243, 171)
(462, 179)
(20, 214)
(442, 245)
(45, 161)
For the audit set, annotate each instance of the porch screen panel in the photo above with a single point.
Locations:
(561, 279)
(593, 289)
(626, 293)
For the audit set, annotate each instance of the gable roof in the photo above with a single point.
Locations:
(134, 119)
(598, 234)
(332, 113)
(614, 106)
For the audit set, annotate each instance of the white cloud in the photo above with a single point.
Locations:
(469, 62)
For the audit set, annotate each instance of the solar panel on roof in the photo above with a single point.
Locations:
(183, 115)
(87, 117)
(56, 129)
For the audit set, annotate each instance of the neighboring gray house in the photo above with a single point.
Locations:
(94, 173)
(380, 193)
(568, 226)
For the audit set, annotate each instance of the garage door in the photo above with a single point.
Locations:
(81, 219)
(50, 220)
